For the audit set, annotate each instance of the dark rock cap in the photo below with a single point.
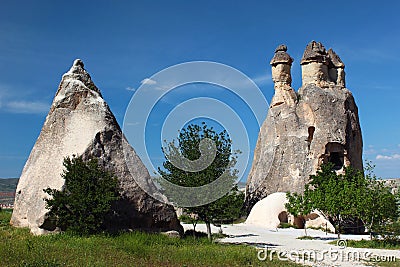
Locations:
(281, 57)
(79, 62)
(281, 47)
(335, 60)
(315, 52)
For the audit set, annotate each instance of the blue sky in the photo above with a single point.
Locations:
(124, 42)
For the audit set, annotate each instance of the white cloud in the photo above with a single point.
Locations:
(262, 79)
(148, 81)
(30, 107)
(130, 89)
(385, 157)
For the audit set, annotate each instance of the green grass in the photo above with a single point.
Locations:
(286, 225)
(19, 248)
(305, 237)
(372, 244)
(390, 264)
(378, 244)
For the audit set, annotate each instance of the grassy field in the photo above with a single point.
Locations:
(19, 248)
(379, 244)
(375, 244)
(372, 244)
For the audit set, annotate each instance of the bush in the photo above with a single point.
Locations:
(84, 203)
(389, 233)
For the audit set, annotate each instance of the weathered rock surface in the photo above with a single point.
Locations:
(302, 130)
(317, 220)
(269, 212)
(81, 123)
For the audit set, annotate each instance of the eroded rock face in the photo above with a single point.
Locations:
(270, 211)
(81, 123)
(302, 130)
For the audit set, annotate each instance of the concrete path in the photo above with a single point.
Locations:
(284, 244)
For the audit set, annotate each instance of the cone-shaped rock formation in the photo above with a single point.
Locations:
(81, 123)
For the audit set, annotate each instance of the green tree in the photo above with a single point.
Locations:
(376, 203)
(182, 167)
(347, 196)
(398, 202)
(84, 203)
(299, 205)
(332, 195)
(228, 208)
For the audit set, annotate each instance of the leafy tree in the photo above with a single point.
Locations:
(298, 205)
(228, 208)
(376, 203)
(191, 218)
(193, 142)
(84, 203)
(343, 197)
(332, 195)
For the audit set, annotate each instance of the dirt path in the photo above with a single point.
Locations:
(317, 252)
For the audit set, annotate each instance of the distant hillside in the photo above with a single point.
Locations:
(7, 191)
(8, 185)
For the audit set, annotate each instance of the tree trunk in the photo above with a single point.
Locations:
(305, 228)
(370, 228)
(194, 230)
(208, 224)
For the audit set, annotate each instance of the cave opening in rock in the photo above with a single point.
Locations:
(334, 153)
(337, 159)
(311, 131)
(283, 217)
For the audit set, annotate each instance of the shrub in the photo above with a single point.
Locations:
(84, 203)
(389, 232)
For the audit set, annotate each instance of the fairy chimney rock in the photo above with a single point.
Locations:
(281, 65)
(322, 68)
(81, 123)
(304, 129)
(336, 69)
